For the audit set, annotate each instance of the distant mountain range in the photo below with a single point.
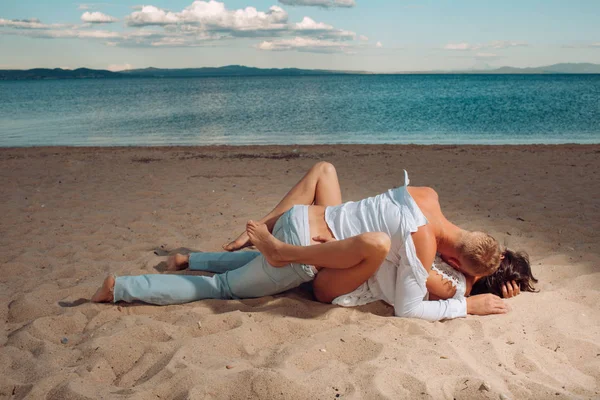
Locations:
(564, 68)
(239, 70)
(57, 73)
(230, 70)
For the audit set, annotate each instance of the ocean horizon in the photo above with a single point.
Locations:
(289, 110)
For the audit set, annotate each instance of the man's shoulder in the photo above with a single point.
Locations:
(424, 195)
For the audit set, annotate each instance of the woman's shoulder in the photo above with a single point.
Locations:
(446, 281)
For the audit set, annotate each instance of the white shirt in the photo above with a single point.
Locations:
(400, 280)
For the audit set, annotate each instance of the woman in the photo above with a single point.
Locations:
(391, 221)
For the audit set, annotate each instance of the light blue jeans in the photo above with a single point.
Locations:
(240, 275)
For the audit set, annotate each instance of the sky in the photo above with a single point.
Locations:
(362, 35)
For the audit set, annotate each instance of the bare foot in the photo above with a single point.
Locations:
(177, 262)
(242, 241)
(267, 244)
(105, 293)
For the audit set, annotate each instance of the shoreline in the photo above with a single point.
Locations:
(309, 146)
(71, 215)
(255, 145)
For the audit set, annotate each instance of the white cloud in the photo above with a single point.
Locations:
(304, 44)
(66, 34)
(30, 23)
(498, 44)
(150, 15)
(195, 25)
(320, 3)
(179, 41)
(213, 15)
(119, 67)
(137, 38)
(339, 34)
(321, 30)
(486, 55)
(310, 24)
(89, 6)
(97, 18)
(96, 34)
(460, 46)
(378, 45)
(582, 46)
(363, 38)
(503, 44)
(172, 42)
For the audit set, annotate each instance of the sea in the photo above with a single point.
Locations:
(357, 109)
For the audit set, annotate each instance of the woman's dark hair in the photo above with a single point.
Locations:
(513, 267)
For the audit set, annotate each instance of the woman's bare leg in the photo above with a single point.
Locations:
(337, 254)
(319, 186)
(345, 264)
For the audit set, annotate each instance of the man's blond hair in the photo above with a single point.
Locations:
(481, 252)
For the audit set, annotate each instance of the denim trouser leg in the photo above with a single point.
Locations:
(163, 289)
(221, 262)
(256, 278)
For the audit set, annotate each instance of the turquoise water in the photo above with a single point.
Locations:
(425, 109)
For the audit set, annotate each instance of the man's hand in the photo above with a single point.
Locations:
(486, 304)
(322, 239)
(510, 289)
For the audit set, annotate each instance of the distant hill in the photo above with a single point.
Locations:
(230, 70)
(565, 68)
(56, 73)
(239, 70)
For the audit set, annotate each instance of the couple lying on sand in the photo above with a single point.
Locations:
(397, 247)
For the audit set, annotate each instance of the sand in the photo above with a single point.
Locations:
(72, 215)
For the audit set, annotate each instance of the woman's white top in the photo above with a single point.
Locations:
(455, 277)
(400, 280)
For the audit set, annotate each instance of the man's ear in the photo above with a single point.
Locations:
(454, 263)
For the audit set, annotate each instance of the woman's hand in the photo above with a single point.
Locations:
(510, 289)
(486, 304)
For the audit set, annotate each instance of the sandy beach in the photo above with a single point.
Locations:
(70, 216)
